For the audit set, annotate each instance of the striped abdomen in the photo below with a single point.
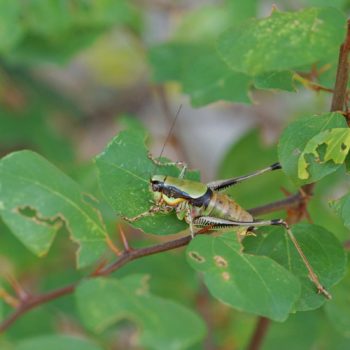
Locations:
(222, 206)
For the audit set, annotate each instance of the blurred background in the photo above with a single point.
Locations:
(72, 72)
(70, 69)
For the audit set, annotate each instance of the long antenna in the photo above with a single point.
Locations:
(168, 136)
(171, 129)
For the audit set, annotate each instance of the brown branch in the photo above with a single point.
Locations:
(342, 77)
(32, 301)
(282, 204)
(259, 333)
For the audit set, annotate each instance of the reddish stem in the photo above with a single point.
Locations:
(260, 331)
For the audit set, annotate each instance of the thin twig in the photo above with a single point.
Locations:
(311, 84)
(123, 238)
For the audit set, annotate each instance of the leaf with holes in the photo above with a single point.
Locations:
(164, 324)
(283, 41)
(249, 283)
(337, 143)
(124, 172)
(36, 199)
(295, 138)
(322, 249)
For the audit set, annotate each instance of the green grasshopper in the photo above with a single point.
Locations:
(203, 206)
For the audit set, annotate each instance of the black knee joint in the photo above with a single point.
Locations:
(279, 222)
(276, 166)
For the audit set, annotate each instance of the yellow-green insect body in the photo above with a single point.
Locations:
(193, 200)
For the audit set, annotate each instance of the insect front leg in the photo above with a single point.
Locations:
(219, 223)
(158, 208)
(184, 211)
(179, 164)
(190, 223)
(150, 212)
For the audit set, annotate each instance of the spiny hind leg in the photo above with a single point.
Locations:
(219, 185)
(217, 223)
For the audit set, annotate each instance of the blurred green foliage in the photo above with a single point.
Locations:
(67, 68)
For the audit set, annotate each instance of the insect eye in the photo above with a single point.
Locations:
(156, 186)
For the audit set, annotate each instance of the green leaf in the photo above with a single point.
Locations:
(124, 173)
(283, 41)
(300, 331)
(295, 138)
(46, 18)
(49, 26)
(1, 304)
(337, 309)
(173, 277)
(104, 13)
(56, 342)
(164, 67)
(335, 3)
(250, 283)
(209, 80)
(347, 163)
(11, 29)
(163, 323)
(342, 208)
(337, 142)
(307, 330)
(324, 252)
(275, 81)
(34, 49)
(37, 199)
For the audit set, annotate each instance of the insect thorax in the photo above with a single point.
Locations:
(173, 188)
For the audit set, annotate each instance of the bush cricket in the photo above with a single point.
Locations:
(204, 206)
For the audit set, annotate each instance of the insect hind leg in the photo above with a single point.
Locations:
(223, 184)
(321, 289)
